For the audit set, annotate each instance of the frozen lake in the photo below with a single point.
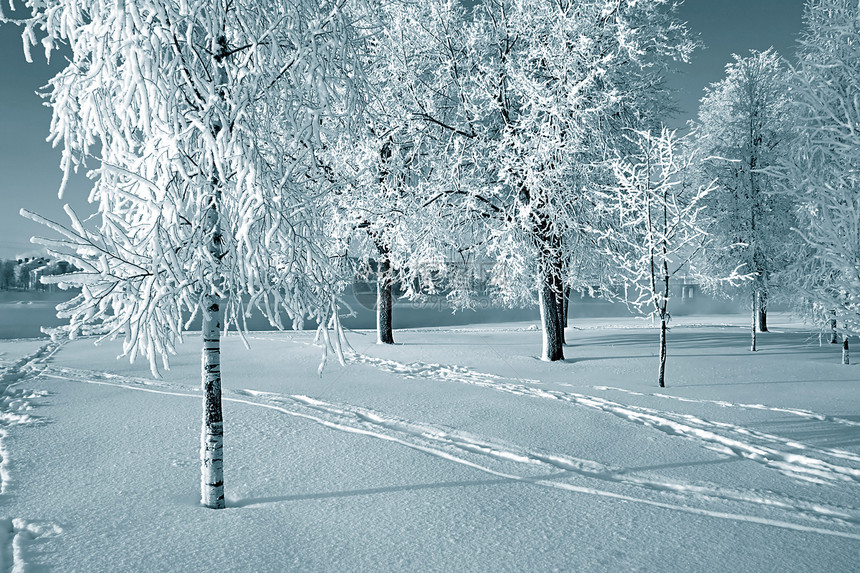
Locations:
(24, 313)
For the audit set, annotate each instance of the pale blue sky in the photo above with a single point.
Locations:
(729, 27)
(29, 168)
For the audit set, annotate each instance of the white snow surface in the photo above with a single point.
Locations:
(457, 449)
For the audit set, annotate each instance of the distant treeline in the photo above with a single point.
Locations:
(24, 273)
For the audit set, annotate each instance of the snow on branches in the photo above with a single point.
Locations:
(201, 123)
(823, 173)
(654, 212)
(743, 130)
(558, 82)
(204, 122)
(654, 229)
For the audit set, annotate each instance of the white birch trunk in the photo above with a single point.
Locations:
(212, 437)
(212, 434)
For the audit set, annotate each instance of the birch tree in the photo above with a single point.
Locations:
(744, 127)
(200, 124)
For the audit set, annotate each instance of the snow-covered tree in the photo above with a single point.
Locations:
(551, 85)
(404, 206)
(656, 230)
(201, 123)
(743, 129)
(369, 213)
(823, 173)
(507, 110)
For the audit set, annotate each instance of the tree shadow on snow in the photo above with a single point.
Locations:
(681, 340)
(238, 503)
(748, 382)
(361, 492)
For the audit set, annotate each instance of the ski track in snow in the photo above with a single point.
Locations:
(17, 533)
(790, 457)
(500, 459)
(807, 414)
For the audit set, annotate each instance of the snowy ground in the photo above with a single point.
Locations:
(455, 450)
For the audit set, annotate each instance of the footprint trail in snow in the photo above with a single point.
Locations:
(15, 406)
(791, 457)
(519, 464)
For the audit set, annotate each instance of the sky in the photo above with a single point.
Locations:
(727, 27)
(29, 168)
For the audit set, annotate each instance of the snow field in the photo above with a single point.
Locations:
(436, 454)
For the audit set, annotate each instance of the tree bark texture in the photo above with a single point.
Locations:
(550, 312)
(212, 441)
(384, 303)
(566, 312)
(754, 321)
(762, 310)
(559, 305)
(552, 348)
(664, 316)
(662, 377)
(212, 435)
(551, 286)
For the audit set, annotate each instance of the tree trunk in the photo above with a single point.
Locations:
(550, 313)
(212, 444)
(762, 310)
(662, 379)
(754, 317)
(557, 282)
(212, 435)
(384, 304)
(550, 290)
(559, 307)
(833, 328)
(844, 349)
(663, 309)
(566, 312)
(552, 349)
